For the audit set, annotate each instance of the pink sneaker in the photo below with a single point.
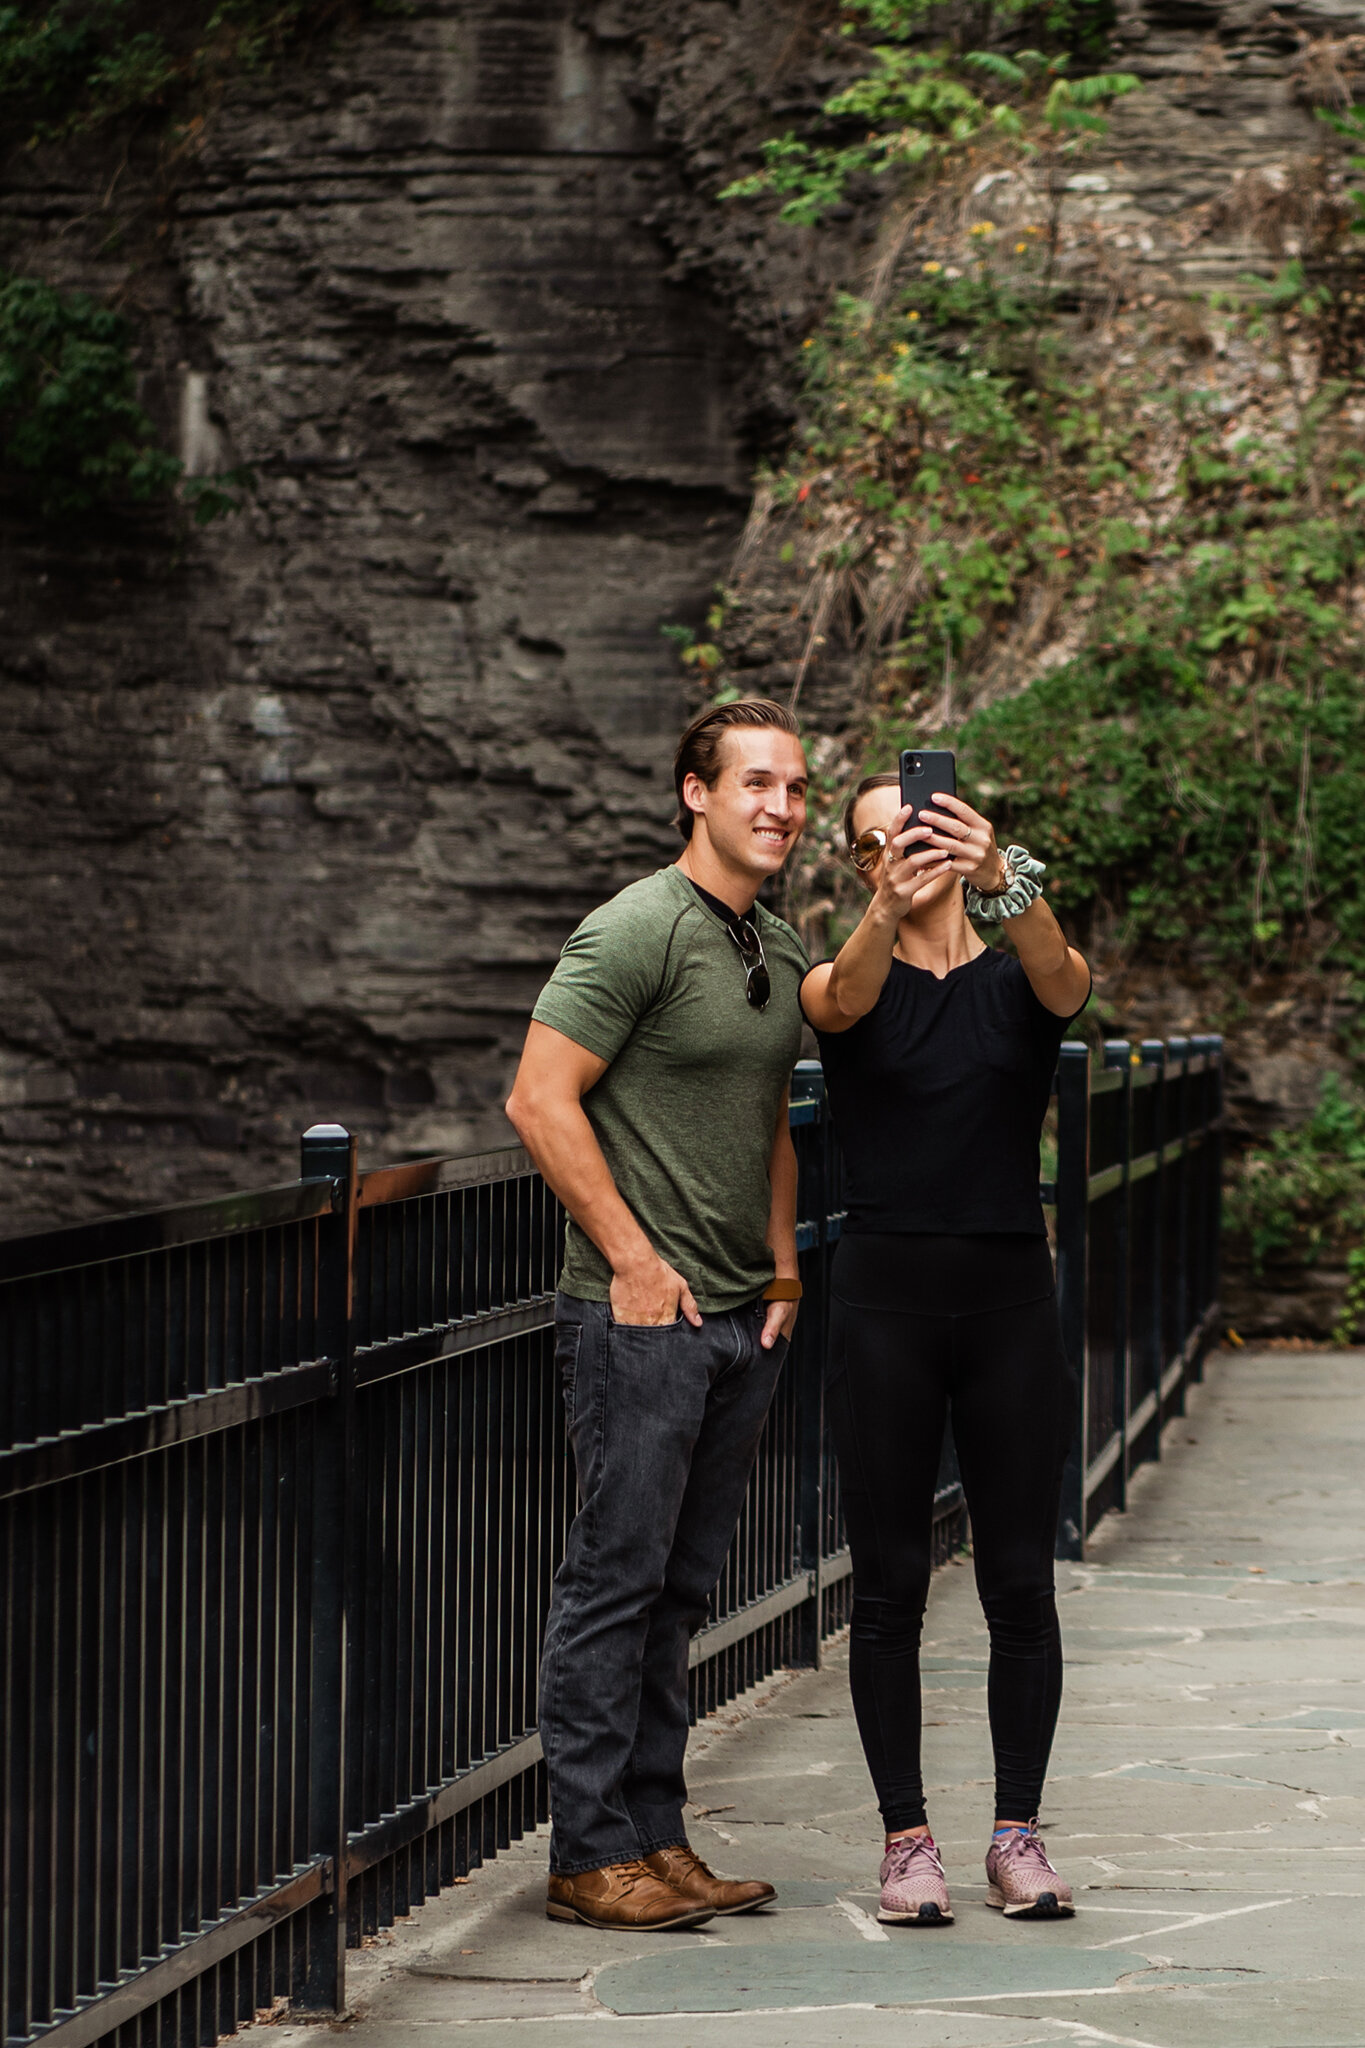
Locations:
(913, 1885)
(1022, 1881)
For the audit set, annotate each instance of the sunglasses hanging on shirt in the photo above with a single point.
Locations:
(757, 987)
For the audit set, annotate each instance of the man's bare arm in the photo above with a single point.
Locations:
(781, 1233)
(546, 1110)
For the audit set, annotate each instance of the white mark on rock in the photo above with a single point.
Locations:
(269, 718)
(865, 1924)
(1195, 1920)
(200, 446)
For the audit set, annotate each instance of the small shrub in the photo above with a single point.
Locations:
(70, 424)
(1303, 1191)
(72, 433)
(919, 105)
(71, 66)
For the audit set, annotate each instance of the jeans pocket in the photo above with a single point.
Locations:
(568, 1344)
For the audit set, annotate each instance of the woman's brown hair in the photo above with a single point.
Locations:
(868, 782)
(699, 749)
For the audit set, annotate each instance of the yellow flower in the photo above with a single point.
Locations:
(932, 269)
(982, 227)
(903, 347)
(1019, 249)
(809, 341)
(912, 316)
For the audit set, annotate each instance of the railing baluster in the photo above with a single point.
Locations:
(1073, 1236)
(1118, 1057)
(328, 1152)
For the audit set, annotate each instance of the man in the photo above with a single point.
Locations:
(652, 1095)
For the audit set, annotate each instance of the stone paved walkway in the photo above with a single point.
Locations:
(1207, 1800)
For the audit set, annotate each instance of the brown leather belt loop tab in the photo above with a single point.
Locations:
(783, 1290)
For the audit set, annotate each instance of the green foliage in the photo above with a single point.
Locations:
(702, 655)
(78, 62)
(1352, 125)
(1206, 814)
(1303, 1191)
(69, 66)
(48, 55)
(1072, 25)
(1194, 771)
(1353, 1301)
(214, 497)
(69, 420)
(71, 428)
(929, 430)
(919, 106)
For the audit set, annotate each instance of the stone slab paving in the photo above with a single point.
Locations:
(1207, 1801)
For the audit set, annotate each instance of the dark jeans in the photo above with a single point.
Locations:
(664, 1424)
(920, 1328)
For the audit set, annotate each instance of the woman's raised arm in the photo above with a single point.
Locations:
(1057, 973)
(840, 991)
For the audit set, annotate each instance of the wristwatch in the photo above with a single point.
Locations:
(1002, 888)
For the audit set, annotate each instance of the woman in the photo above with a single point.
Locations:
(939, 1052)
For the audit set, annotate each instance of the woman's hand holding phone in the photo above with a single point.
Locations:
(911, 862)
(964, 841)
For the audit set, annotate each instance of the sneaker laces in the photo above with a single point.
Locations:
(1026, 1845)
(903, 1853)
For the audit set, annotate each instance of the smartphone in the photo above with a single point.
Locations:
(923, 772)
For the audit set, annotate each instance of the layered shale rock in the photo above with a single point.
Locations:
(300, 809)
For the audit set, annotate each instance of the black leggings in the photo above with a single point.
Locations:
(920, 1327)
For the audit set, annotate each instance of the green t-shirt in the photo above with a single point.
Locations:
(685, 1114)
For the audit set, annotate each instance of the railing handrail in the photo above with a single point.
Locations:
(141, 1231)
(131, 1233)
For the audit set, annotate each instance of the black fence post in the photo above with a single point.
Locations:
(1152, 1053)
(329, 1152)
(1118, 1056)
(1214, 1212)
(1073, 1220)
(1203, 1199)
(810, 1355)
(1178, 1280)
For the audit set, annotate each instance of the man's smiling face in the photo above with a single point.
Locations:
(756, 812)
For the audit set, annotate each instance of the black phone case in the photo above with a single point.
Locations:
(923, 770)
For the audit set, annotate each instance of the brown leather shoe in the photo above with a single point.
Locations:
(684, 1870)
(623, 1895)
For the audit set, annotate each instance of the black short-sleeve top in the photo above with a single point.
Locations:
(938, 1096)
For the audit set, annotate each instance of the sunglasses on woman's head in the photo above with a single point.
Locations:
(757, 987)
(867, 849)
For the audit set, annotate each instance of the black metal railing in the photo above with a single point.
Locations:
(283, 1485)
(1138, 1219)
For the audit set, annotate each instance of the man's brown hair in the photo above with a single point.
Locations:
(699, 749)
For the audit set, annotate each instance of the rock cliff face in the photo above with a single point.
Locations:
(300, 809)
